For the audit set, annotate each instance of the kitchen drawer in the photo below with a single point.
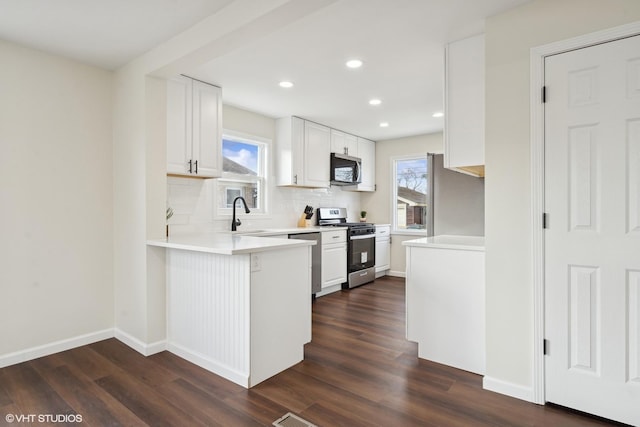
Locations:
(334, 236)
(383, 231)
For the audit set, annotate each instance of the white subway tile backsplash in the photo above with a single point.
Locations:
(193, 203)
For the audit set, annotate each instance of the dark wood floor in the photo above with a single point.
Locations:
(358, 371)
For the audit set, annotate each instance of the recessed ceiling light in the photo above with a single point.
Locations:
(438, 114)
(354, 63)
(384, 125)
(285, 84)
(375, 102)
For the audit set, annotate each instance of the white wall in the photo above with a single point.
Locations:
(56, 214)
(378, 203)
(193, 200)
(509, 37)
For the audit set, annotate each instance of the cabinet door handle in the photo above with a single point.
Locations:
(190, 166)
(196, 167)
(295, 178)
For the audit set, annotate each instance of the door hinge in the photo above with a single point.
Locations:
(544, 94)
(545, 347)
(545, 220)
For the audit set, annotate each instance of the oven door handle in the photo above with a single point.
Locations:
(364, 236)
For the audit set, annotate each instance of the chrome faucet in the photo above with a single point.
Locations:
(236, 222)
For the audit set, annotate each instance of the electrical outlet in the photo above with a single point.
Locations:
(255, 262)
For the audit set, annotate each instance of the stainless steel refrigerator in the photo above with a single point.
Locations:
(455, 201)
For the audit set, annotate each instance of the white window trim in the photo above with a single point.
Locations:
(262, 179)
(394, 196)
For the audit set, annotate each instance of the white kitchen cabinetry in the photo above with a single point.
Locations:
(344, 143)
(334, 260)
(445, 300)
(383, 249)
(464, 106)
(302, 153)
(367, 153)
(194, 128)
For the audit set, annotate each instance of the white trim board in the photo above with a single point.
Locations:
(537, 57)
(508, 389)
(74, 342)
(139, 346)
(394, 273)
(210, 365)
(54, 347)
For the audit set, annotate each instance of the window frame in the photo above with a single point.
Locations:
(394, 194)
(261, 179)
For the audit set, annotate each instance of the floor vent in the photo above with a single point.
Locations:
(291, 420)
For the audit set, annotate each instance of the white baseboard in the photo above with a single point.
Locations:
(54, 347)
(139, 346)
(509, 389)
(329, 290)
(210, 365)
(394, 273)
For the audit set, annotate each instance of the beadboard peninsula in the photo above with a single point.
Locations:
(238, 306)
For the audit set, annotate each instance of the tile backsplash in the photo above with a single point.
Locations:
(193, 204)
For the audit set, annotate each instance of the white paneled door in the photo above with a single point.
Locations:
(592, 240)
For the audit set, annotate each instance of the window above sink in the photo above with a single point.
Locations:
(244, 173)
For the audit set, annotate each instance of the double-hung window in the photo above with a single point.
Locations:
(410, 193)
(244, 172)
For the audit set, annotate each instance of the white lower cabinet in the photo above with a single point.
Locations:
(383, 249)
(334, 260)
(445, 300)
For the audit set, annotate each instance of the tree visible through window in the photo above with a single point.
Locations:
(244, 172)
(410, 193)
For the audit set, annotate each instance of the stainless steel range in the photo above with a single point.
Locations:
(361, 245)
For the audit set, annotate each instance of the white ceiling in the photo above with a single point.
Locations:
(400, 41)
(105, 33)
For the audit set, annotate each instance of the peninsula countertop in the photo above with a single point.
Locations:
(227, 243)
(469, 243)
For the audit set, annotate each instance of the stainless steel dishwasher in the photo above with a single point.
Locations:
(316, 259)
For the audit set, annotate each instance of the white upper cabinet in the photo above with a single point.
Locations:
(194, 128)
(317, 143)
(366, 153)
(464, 106)
(344, 143)
(302, 153)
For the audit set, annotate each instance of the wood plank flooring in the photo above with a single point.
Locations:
(358, 371)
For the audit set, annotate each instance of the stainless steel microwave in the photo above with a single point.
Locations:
(345, 170)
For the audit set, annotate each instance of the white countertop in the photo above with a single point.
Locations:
(469, 243)
(227, 243)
